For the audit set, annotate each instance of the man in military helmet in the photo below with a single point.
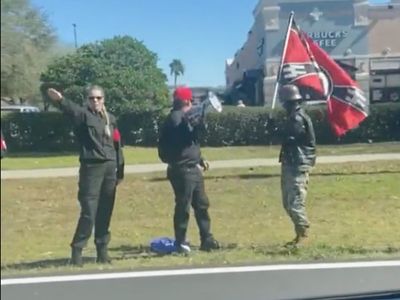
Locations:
(297, 157)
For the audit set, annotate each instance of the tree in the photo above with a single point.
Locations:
(26, 38)
(123, 66)
(177, 69)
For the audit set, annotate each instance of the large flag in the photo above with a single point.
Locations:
(319, 77)
(299, 67)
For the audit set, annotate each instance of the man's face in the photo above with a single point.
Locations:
(288, 105)
(96, 100)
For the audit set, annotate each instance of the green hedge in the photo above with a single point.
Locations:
(250, 126)
(140, 127)
(234, 126)
(42, 132)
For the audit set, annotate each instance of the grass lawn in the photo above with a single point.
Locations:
(354, 209)
(138, 155)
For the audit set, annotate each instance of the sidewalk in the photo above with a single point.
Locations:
(219, 164)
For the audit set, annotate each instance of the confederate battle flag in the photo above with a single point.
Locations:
(319, 77)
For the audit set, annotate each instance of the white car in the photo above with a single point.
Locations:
(20, 109)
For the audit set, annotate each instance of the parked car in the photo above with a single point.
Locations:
(20, 109)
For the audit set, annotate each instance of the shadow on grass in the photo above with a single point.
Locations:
(277, 175)
(322, 251)
(122, 252)
(126, 252)
(134, 252)
(47, 263)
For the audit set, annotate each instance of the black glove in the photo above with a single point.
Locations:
(204, 164)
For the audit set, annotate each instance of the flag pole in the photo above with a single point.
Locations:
(278, 77)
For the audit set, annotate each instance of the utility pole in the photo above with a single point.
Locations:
(76, 41)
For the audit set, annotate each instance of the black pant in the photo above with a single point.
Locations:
(96, 195)
(188, 186)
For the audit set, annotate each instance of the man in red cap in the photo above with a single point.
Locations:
(179, 148)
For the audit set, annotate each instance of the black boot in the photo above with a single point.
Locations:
(76, 257)
(102, 254)
(209, 244)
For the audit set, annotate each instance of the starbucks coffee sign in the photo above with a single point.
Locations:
(328, 39)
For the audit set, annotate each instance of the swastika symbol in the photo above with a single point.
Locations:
(291, 71)
(356, 96)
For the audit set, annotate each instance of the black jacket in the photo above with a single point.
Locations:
(95, 145)
(178, 142)
(298, 145)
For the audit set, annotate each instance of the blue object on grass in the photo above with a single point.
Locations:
(163, 245)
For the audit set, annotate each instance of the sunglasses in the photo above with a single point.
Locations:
(95, 97)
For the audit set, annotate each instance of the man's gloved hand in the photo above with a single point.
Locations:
(290, 141)
(271, 125)
(204, 164)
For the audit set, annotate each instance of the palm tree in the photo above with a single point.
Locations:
(177, 69)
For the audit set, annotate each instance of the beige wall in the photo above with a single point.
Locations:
(384, 28)
(384, 34)
(247, 57)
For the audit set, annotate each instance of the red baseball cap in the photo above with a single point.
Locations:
(183, 93)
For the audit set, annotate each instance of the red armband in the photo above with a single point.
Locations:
(3, 144)
(116, 135)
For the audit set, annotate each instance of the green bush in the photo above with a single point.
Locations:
(242, 127)
(140, 127)
(122, 65)
(383, 124)
(251, 126)
(47, 131)
(234, 126)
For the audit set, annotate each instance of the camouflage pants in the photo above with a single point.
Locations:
(294, 184)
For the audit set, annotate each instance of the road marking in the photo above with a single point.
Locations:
(199, 271)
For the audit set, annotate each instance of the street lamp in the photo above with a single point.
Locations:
(76, 41)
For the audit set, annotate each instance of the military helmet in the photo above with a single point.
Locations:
(289, 92)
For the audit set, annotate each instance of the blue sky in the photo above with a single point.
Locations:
(201, 33)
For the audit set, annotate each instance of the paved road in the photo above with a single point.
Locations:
(147, 168)
(298, 281)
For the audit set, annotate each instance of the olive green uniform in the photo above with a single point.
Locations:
(297, 157)
(101, 164)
